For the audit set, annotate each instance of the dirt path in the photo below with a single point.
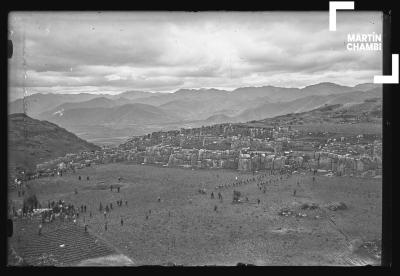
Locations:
(347, 256)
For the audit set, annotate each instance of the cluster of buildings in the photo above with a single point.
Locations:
(237, 146)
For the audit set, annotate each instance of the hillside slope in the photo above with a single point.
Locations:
(117, 116)
(360, 118)
(268, 110)
(31, 141)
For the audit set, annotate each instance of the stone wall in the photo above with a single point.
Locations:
(342, 164)
(260, 161)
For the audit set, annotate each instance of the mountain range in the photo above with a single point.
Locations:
(95, 117)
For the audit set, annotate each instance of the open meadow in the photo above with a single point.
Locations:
(166, 219)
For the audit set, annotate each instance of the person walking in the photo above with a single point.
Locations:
(40, 229)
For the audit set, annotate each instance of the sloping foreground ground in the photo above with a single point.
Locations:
(185, 229)
(61, 244)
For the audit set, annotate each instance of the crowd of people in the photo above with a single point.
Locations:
(262, 181)
(68, 212)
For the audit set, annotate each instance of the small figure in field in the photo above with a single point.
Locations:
(126, 203)
(84, 208)
(294, 193)
(40, 229)
(159, 199)
(122, 221)
(105, 214)
(215, 208)
(258, 201)
(247, 199)
(79, 177)
(212, 195)
(87, 178)
(118, 189)
(147, 217)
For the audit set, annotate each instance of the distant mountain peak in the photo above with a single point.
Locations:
(324, 84)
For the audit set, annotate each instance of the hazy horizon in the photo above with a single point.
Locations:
(173, 91)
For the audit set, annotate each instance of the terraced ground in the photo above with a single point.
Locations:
(184, 228)
(61, 244)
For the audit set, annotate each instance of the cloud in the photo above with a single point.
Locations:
(168, 51)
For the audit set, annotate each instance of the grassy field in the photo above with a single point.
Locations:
(343, 129)
(184, 228)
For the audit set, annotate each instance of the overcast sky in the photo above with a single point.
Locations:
(109, 52)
